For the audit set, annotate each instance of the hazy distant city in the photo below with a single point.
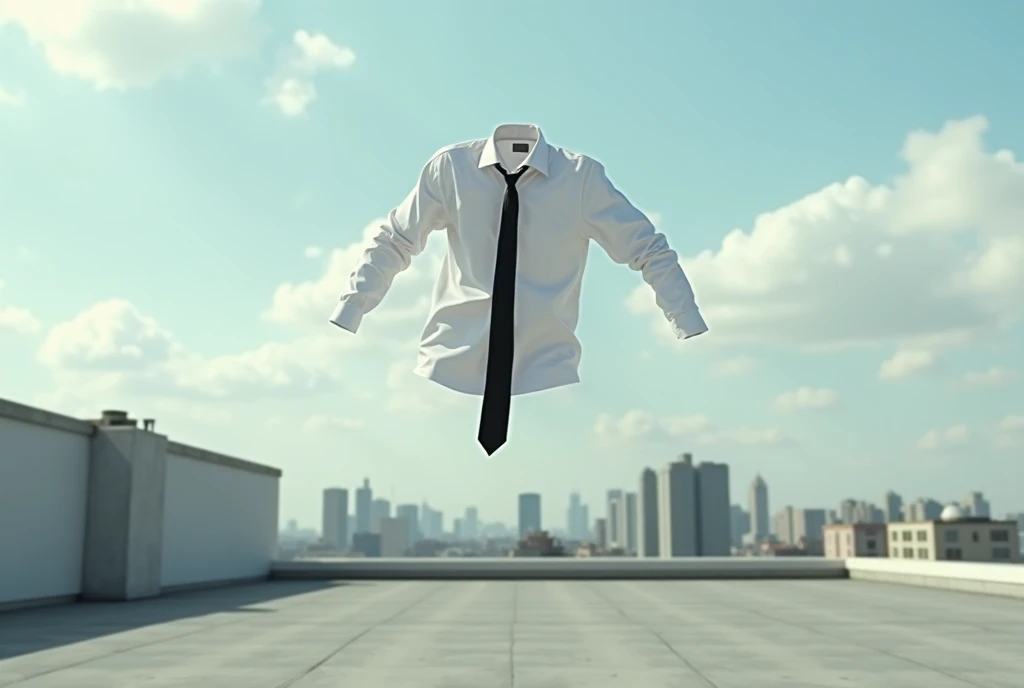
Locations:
(681, 509)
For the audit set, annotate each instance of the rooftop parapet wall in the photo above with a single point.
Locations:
(98, 509)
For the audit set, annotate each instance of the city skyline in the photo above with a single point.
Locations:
(851, 244)
(892, 506)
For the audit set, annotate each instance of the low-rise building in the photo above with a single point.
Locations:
(539, 544)
(845, 540)
(955, 537)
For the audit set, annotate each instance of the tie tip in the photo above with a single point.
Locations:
(491, 447)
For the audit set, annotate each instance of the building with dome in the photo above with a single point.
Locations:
(955, 536)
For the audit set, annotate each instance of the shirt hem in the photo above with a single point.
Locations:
(562, 378)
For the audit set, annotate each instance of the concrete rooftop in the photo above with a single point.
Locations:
(527, 634)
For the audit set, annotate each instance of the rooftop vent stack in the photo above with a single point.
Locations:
(111, 418)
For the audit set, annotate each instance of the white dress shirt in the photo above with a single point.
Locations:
(566, 200)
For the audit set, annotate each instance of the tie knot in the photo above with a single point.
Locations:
(513, 177)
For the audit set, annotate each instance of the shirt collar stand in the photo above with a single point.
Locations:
(538, 156)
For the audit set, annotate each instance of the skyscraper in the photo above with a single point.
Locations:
(379, 509)
(411, 514)
(976, 505)
(740, 522)
(584, 522)
(677, 509)
(647, 514)
(803, 527)
(612, 518)
(574, 517)
(866, 512)
(431, 522)
(335, 517)
(629, 518)
(471, 524)
(394, 533)
(364, 497)
(757, 505)
(601, 533)
(810, 528)
(848, 510)
(783, 525)
(714, 532)
(893, 506)
(529, 513)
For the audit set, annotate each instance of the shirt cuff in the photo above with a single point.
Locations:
(347, 316)
(688, 324)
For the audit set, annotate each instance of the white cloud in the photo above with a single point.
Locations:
(112, 346)
(907, 363)
(806, 399)
(212, 413)
(308, 304)
(656, 218)
(993, 377)
(935, 440)
(861, 263)
(11, 98)
(17, 320)
(731, 367)
(120, 44)
(1010, 431)
(110, 335)
(410, 394)
(325, 423)
(637, 425)
(291, 88)
(1012, 423)
(749, 437)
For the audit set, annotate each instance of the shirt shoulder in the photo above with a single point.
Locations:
(570, 162)
(458, 153)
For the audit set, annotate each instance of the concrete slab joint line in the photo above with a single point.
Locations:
(567, 634)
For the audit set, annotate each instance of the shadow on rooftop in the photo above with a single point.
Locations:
(26, 631)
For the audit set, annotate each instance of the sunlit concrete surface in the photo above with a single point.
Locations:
(528, 634)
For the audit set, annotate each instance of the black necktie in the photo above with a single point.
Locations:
(498, 383)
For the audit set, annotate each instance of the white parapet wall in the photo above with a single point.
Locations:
(561, 568)
(220, 518)
(1006, 580)
(44, 471)
(115, 512)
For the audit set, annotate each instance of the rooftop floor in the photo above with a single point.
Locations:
(527, 634)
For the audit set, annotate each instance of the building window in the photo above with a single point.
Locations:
(870, 544)
(974, 536)
(908, 552)
(1000, 536)
(951, 536)
(922, 553)
(954, 553)
(896, 552)
(1001, 553)
(906, 536)
(922, 536)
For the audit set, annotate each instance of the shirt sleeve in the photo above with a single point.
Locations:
(400, 238)
(629, 238)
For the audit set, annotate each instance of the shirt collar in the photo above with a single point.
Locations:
(538, 156)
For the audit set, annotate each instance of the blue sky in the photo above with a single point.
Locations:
(838, 178)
